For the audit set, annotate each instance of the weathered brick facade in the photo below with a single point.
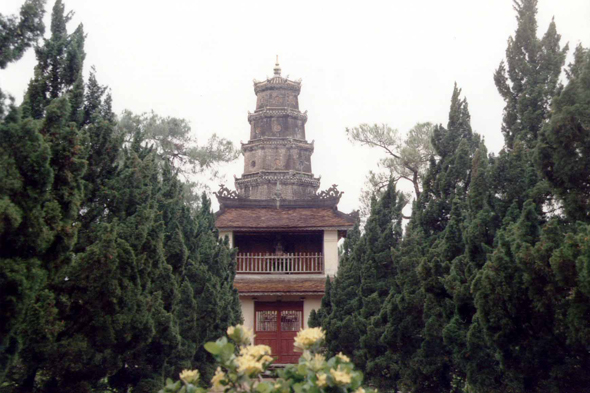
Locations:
(277, 156)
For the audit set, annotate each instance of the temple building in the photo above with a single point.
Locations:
(286, 232)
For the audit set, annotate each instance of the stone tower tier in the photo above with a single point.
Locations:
(277, 185)
(277, 122)
(277, 154)
(277, 157)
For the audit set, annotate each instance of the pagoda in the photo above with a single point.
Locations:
(286, 232)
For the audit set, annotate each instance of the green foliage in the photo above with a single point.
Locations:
(111, 275)
(563, 152)
(241, 365)
(529, 78)
(406, 159)
(19, 34)
(172, 141)
(487, 291)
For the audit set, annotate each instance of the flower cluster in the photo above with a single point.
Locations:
(253, 359)
(190, 376)
(216, 381)
(341, 377)
(241, 363)
(309, 338)
(240, 334)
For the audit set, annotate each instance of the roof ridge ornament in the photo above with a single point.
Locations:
(277, 68)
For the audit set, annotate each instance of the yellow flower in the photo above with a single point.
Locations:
(341, 377)
(277, 386)
(346, 359)
(217, 378)
(253, 359)
(317, 363)
(308, 337)
(189, 376)
(322, 382)
(241, 334)
(248, 366)
(257, 352)
(359, 390)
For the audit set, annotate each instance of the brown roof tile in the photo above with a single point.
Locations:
(279, 285)
(265, 218)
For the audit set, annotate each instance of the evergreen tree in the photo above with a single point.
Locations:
(18, 35)
(563, 152)
(522, 308)
(319, 318)
(383, 233)
(341, 332)
(529, 78)
(28, 219)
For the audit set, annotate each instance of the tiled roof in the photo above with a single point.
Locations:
(279, 285)
(268, 218)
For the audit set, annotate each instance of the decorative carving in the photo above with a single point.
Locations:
(277, 100)
(225, 192)
(331, 192)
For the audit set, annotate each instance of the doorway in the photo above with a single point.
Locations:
(276, 324)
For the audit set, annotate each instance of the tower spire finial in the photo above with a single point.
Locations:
(277, 68)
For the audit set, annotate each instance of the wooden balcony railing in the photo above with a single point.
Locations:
(263, 263)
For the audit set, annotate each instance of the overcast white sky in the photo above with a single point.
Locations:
(389, 62)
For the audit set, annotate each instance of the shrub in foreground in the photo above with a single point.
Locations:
(241, 365)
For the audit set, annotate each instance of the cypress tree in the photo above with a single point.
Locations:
(341, 330)
(563, 152)
(36, 323)
(17, 36)
(28, 217)
(383, 233)
(529, 78)
(523, 304)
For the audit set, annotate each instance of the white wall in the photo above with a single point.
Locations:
(248, 312)
(229, 234)
(330, 252)
(308, 305)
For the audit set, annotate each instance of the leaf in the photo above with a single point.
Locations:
(302, 369)
(213, 348)
(263, 387)
(227, 350)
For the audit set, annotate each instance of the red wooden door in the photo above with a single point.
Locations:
(276, 324)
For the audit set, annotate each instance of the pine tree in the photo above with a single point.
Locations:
(522, 308)
(529, 78)
(563, 152)
(469, 357)
(341, 331)
(59, 68)
(28, 215)
(16, 36)
(48, 239)
(383, 233)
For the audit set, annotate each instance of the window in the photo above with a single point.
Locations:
(266, 321)
(290, 320)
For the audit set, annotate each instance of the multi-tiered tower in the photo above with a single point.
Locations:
(277, 152)
(285, 231)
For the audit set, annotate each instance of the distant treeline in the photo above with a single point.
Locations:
(488, 288)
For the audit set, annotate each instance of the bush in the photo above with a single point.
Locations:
(241, 365)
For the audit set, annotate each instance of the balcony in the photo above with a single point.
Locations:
(287, 263)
